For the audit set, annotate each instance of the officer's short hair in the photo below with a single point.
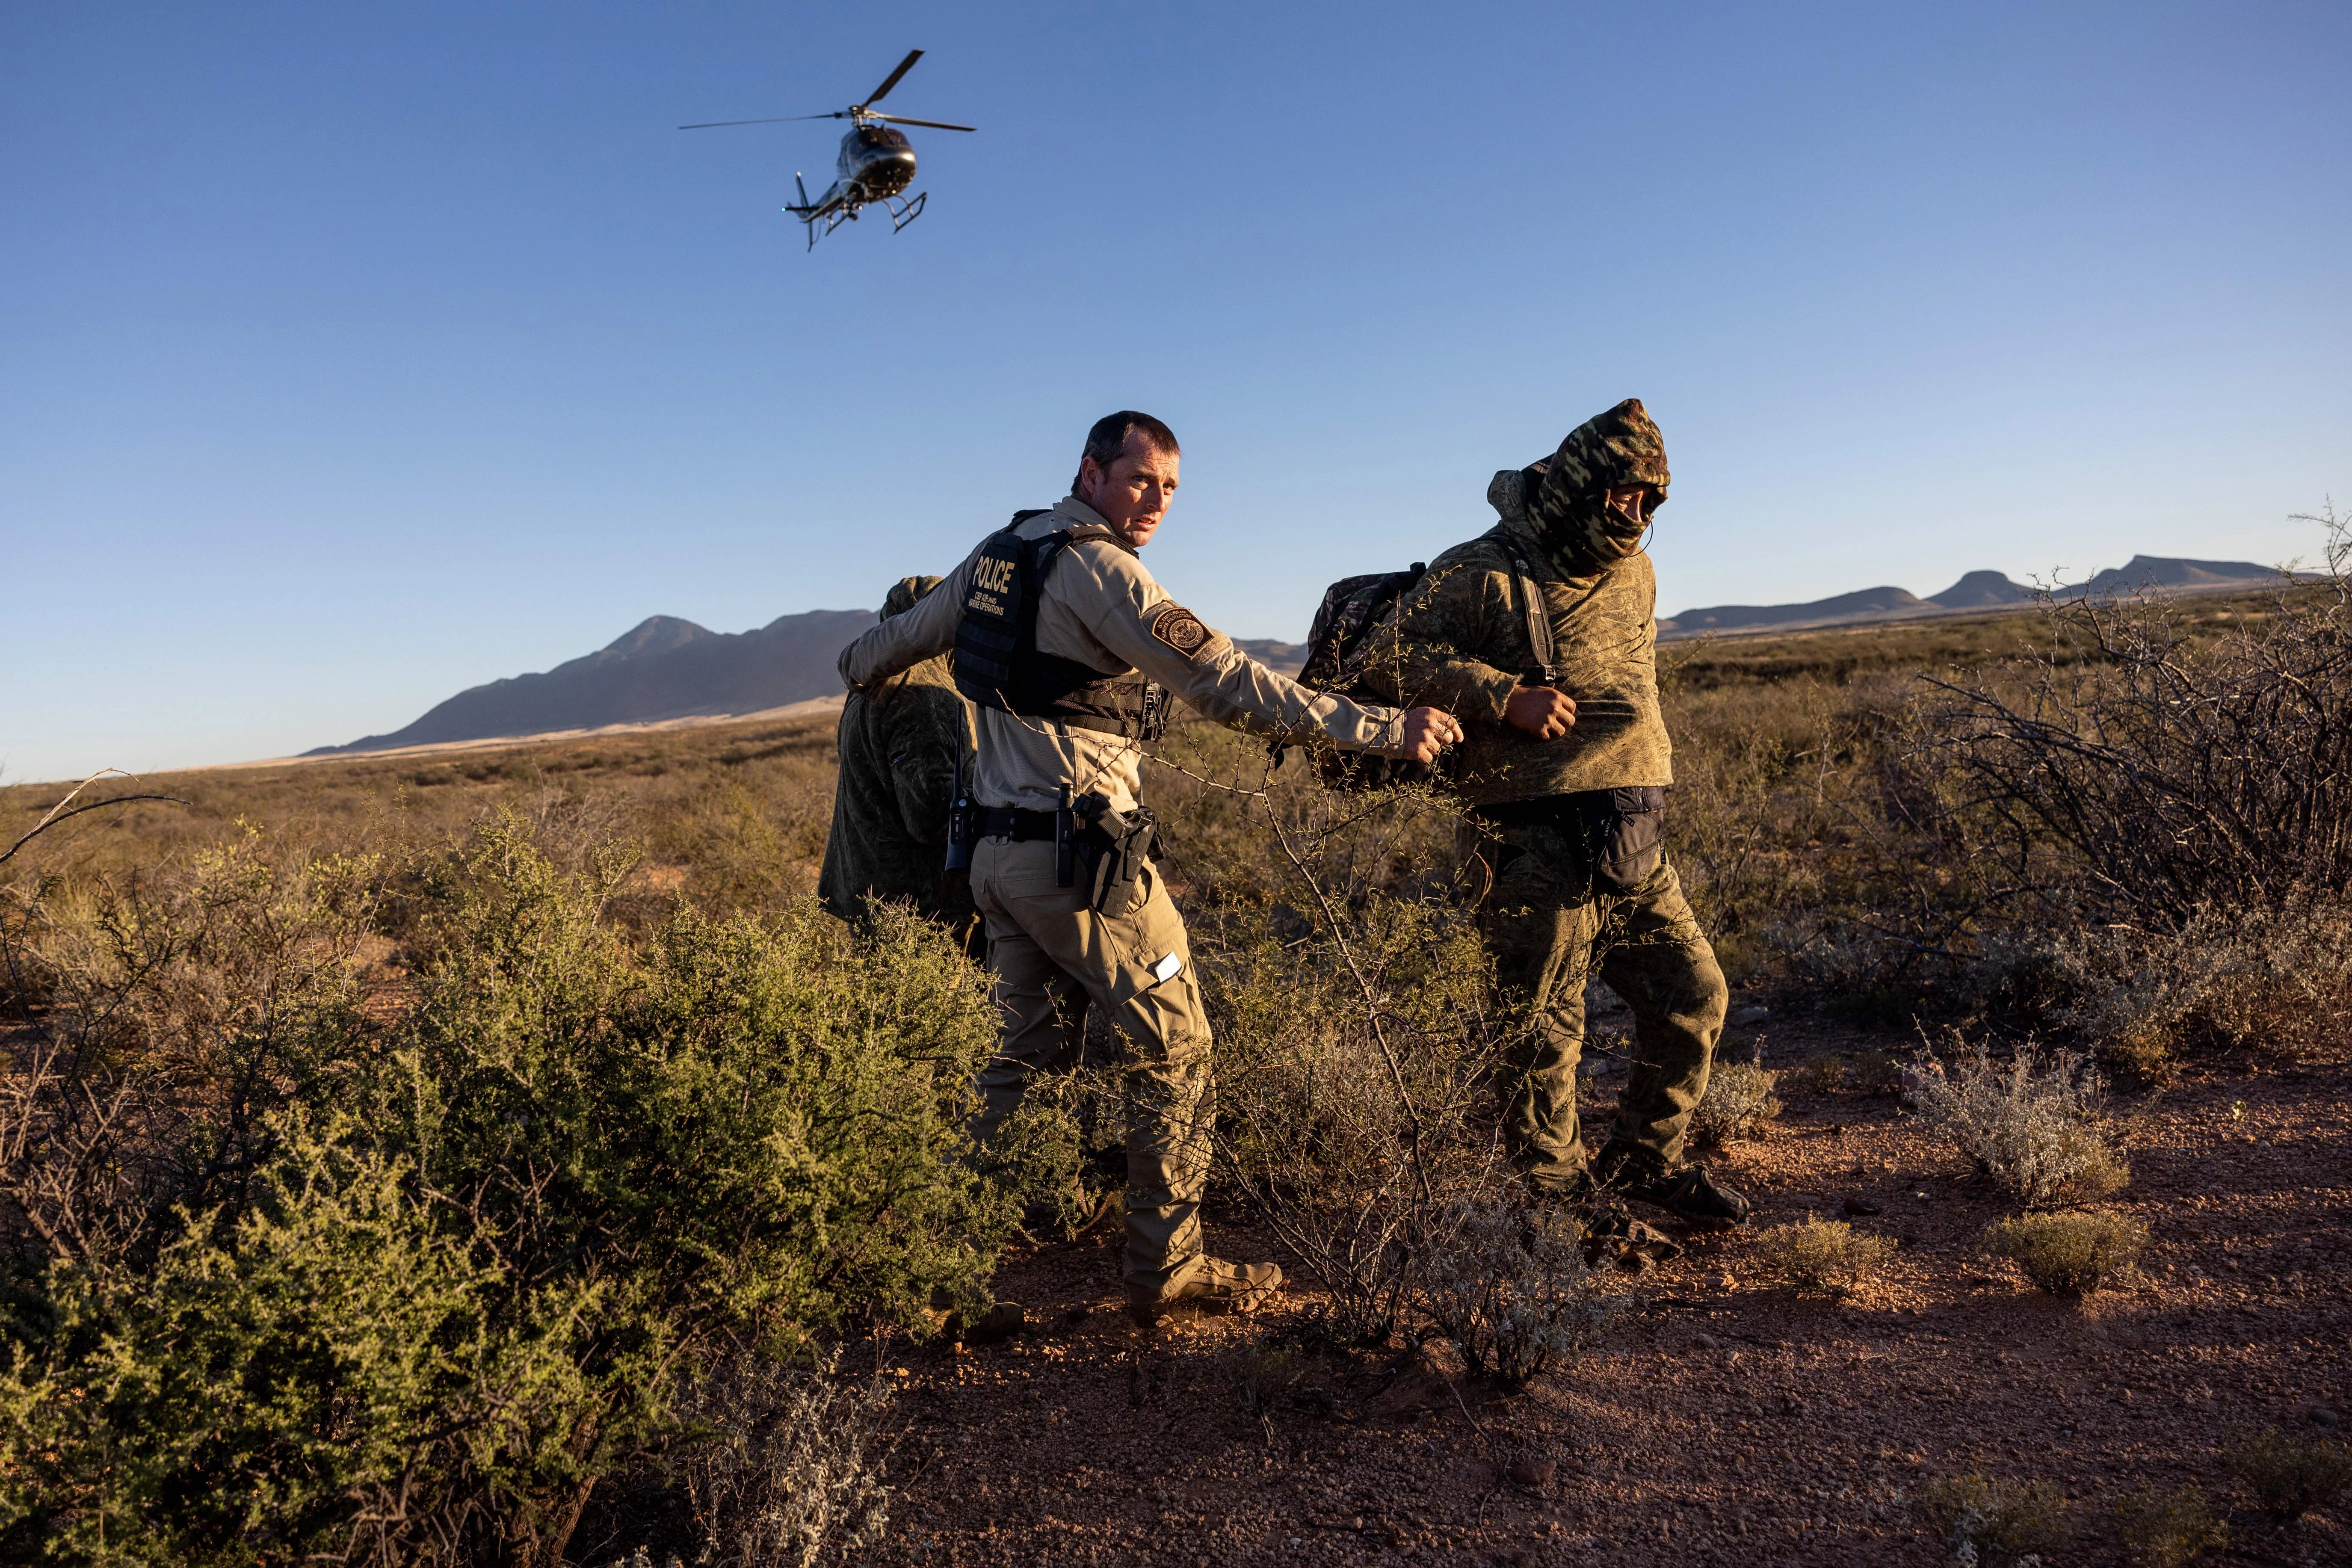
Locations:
(1108, 439)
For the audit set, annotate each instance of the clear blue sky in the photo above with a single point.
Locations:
(352, 355)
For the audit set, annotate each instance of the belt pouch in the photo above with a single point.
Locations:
(1625, 834)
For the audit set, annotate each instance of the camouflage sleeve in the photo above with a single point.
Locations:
(1426, 651)
(926, 735)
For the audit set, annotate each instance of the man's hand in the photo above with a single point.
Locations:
(1542, 712)
(1427, 731)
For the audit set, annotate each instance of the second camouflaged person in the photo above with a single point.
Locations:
(904, 743)
(1566, 766)
(1070, 650)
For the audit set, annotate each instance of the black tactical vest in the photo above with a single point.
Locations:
(996, 661)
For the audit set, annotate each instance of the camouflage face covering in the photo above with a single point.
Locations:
(904, 592)
(1568, 493)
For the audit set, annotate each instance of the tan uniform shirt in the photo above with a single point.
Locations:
(1102, 607)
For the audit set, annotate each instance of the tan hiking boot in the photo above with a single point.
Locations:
(1212, 1286)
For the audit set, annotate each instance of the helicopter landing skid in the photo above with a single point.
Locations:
(903, 211)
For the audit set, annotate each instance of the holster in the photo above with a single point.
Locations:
(1112, 853)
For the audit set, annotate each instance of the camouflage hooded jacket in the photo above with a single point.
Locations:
(900, 743)
(1459, 639)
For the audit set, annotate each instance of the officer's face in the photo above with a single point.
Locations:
(1133, 493)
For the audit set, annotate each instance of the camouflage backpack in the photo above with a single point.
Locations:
(1341, 642)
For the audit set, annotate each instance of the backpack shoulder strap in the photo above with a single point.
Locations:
(1532, 601)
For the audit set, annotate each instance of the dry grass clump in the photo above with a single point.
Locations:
(2290, 1475)
(1820, 1075)
(1517, 1301)
(2031, 1124)
(1874, 1072)
(1738, 1103)
(2272, 980)
(1823, 1256)
(2069, 1253)
(793, 1468)
(2168, 1530)
(1990, 1523)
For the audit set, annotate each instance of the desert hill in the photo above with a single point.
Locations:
(1974, 591)
(663, 667)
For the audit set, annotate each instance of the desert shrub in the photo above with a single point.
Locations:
(2031, 1125)
(1990, 1522)
(1823, 1256)
(2290, 1475)
(789, 1466)
(1738, 1101)
(1262, 1370)
(1876, 1072)
(2153, 761)
(482, 1244)
(1510, 1287)
(2069, 1253)
(2274, 980)
(2168, 1530)
(1356, 1042)
(1818, 1074)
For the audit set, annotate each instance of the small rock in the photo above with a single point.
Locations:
(1532, 1472)
(1706, 1343)
(2320, 1416)
(996, 1325)
(1859, 1208)
(1746, 1016)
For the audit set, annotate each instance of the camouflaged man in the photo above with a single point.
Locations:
(1070, 651)
(1566, 766)
(904, 744)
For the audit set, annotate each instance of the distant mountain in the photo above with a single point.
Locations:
(663, 667)
(1976, 591)
(1281, 657)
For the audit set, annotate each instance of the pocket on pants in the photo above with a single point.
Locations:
(1627, 828)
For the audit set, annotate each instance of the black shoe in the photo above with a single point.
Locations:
(1688, 1193)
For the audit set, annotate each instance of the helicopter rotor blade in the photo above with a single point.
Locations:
(892, 79)
(934, 125)
(776, 119)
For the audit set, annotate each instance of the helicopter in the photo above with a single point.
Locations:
(877, 161)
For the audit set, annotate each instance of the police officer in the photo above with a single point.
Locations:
(1541, 633)
(903, 745)
(1070, 650)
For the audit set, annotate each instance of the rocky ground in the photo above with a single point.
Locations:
(1726, 1421)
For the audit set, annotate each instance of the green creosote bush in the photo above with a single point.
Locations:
(2031, 1125)
(1990, 1522)
(1510, 1287)
(1823, 1256)
(1738, 1101)
(2170, 1528)
(2069, 1253)
(482, 1247)
(2290, 1475)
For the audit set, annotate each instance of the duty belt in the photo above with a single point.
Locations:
(1016, 822)
(1562, 810)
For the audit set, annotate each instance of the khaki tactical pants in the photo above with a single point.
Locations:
(1051, 956)
(1550, 931)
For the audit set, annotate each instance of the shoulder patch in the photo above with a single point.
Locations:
(1181, 629)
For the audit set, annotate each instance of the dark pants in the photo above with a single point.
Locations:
(1550, 931)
